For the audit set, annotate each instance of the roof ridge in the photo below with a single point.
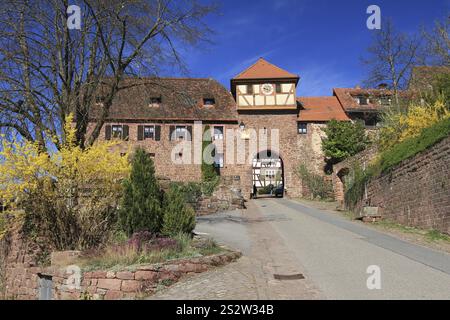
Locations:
(262, 60)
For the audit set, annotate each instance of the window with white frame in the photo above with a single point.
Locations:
(117, 131)
(218, 160)
(302, 128)
(181, 132)
(149, 132)
(218, 133)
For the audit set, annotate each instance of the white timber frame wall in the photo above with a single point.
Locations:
(266, 95)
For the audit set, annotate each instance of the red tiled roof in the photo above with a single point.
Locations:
(263, 69)
(181, 99)
(347, 98)
(321, 109)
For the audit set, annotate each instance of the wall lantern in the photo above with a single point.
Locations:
(242, 125)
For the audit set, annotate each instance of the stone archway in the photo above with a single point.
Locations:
(339, 184)
(268, 170)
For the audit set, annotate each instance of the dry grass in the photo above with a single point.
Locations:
(125, 256)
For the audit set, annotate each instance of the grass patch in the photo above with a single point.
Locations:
(412, 146)
(125, 256)
(389, 158)
(430, 235)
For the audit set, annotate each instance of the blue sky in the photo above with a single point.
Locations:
(320, 40)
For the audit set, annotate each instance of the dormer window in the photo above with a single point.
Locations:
(154, 101)
(385, 101)
(362, 100)
(209, 102)
(99, 99)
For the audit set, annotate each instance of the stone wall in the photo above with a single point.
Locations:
(23, 273)
(343, 168)
(293, 148)
(417, 191)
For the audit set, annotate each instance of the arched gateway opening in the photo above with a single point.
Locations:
(267, 175)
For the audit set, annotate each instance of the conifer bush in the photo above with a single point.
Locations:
(179, 218)
(141, 208)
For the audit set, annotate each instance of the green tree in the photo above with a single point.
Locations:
(141, 201)
(178, 216)
(210, 176)
(344, 139)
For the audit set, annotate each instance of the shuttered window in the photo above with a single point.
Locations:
(149, 132)
(180, 133)
(116, 132)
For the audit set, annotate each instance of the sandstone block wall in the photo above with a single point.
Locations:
(417, 191)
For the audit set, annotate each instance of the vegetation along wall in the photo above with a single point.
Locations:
(417, 191)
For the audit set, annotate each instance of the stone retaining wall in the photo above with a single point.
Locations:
(126, 283)
(23, 273)
(417, 191)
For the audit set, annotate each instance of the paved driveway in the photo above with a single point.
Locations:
(280, 236)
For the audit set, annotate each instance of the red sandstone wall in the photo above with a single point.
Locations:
(416, 192)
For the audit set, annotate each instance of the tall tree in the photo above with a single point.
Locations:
(391, 57)
(438, 43)
(48, 71)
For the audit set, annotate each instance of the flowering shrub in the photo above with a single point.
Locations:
(399, 126)
(70, 196)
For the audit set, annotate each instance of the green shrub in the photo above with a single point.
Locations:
(178, 217)
(411, 146)
(392, 157)
(191, 191)
(141, 201)
(356, 185)
(317, 185)
(210, 176)
(264, 190)
(344, 139)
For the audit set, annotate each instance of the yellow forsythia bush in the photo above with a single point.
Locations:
(400, 126)
(70, 195)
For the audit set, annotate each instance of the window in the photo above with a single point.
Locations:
(99, 99)
(149, 132)
(385, 101)
(180, 133)
(117, 131)
(218, 133)
(218, 160)
(362, 100)
(249, 89)
(270, 174)
(154, 101)
(278, 88)
(209, 101)
(302, 128)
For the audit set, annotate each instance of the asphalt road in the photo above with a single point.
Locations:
(334, 253)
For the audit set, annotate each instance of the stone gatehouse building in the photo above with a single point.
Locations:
(158, 113)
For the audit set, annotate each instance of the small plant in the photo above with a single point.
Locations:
(178, 217)
(316, 184)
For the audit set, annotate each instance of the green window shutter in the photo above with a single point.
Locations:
(107, 132)
(171, 131)
(189, 129)
(140, 136)
(125, 132)
(157, 133)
